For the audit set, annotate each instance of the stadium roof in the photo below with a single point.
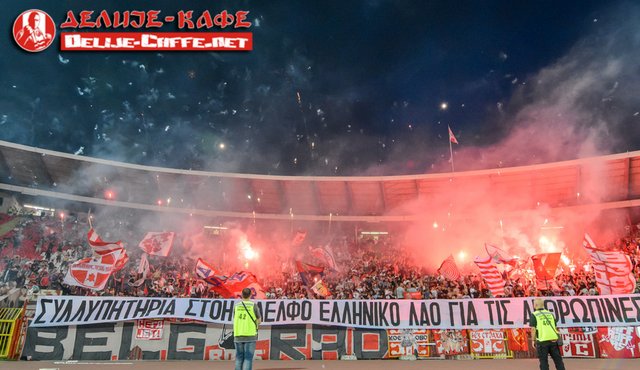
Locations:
(35, 172)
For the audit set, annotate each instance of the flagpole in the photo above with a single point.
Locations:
(451, 153)
(450, 149)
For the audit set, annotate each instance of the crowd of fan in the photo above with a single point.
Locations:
(36, 254)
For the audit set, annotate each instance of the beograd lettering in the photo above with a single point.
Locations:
(616, 310)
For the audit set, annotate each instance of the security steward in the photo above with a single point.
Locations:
(545, 336)
(246, 319)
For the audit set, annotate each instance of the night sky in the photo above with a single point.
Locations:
(341, 88)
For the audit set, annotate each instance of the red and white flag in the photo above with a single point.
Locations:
(500, 256)
(491, 275)
(100, 246)
(93, 273)
(452, 137)
(157, 243)
(545, 265)
(517, 339)
(244, 279)
(122, 260)
(448, 269)
(229, 286)
(144, 269)
(613, 269)
(210, 275)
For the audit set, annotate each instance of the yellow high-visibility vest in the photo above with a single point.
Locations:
(244, 320)
(545, 326)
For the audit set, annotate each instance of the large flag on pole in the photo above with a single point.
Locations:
(452, 137)
(491, 275)
(100, 246)
(207, 273)
(93, 273)
(325, 255)
(309, 274)
(244, 279)
(157, 243)
(231, 286)
(613, 269)
(448, 269)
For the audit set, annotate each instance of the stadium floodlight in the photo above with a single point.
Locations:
(374, 233)
(38, 208)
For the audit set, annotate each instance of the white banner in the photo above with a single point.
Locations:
(614, 310)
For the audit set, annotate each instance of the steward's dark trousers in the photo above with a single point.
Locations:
(549, 348)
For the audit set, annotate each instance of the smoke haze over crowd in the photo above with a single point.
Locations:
(341, 89)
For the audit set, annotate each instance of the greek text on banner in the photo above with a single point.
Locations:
(613, 310)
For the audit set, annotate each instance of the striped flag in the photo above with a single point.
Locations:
(448, 269)
(491, 275)
(100, 246)
(613, 269)
(122, 260)
(103, 248)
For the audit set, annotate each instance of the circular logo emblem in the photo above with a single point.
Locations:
(34, 30)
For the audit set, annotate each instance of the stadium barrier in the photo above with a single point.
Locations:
(10, 325)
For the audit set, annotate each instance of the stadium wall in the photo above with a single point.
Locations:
(172, 340)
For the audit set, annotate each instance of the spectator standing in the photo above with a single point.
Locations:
(545, 336)
(246, 319)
